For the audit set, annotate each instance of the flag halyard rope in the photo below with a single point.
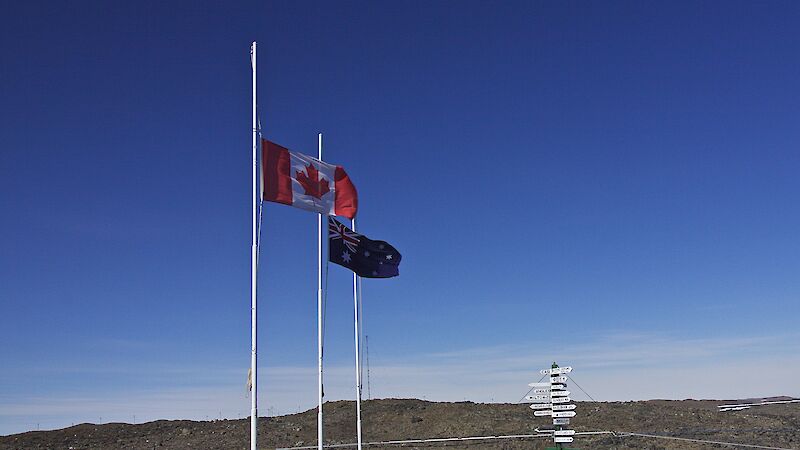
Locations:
(579, 387)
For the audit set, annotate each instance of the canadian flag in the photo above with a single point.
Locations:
(304, 182)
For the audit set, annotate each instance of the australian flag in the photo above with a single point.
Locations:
(365, 257)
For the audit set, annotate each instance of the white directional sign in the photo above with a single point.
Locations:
(542, 406)
(538, 384)
(564, 432)
(538, 398)
(556, 371)
(560, 400)
(557, 386)
(546, 412)
(558, 439)
(559, 379)
(562, 407)
(561, 421)
(541, 391)
(560, 393)
(561, 413)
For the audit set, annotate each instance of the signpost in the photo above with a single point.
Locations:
(552, 400)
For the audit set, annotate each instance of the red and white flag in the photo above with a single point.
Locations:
(304, 182)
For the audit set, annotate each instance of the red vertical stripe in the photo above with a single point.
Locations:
(346, 196)
(275, 172)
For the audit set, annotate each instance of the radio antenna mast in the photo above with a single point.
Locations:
(369, 393)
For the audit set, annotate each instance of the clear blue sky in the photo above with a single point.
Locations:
(631, 166)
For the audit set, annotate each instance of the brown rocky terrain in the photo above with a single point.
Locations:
(774, 426)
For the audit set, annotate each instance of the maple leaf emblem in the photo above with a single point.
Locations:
(311, 183)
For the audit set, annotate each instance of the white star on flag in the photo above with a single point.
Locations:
(346, 256)
(388, 256)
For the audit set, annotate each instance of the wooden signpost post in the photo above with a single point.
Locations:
(552, 400)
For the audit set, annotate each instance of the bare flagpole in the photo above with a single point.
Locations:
(319, 313)
(361, 333)
(253, 274)
(357, 339)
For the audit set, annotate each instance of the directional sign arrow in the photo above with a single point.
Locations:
(563, 407)
(561, 400)
(562, 439)
(557, 386)
(560, 393)
(564, 432)
(541, 406)
(537, 398)
(541, 391)
(559, 379)
(561, 413)
(546, 412)
(556, 370)
(538, 384)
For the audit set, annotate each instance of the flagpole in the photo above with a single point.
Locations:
(361, 333)
(319, 312)
(357, 339)
(253, 275)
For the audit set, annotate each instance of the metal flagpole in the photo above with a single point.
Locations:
(253, 275)
(361, 333)
(358, 356)
(319, 314)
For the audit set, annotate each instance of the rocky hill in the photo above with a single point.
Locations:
(774, 426)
